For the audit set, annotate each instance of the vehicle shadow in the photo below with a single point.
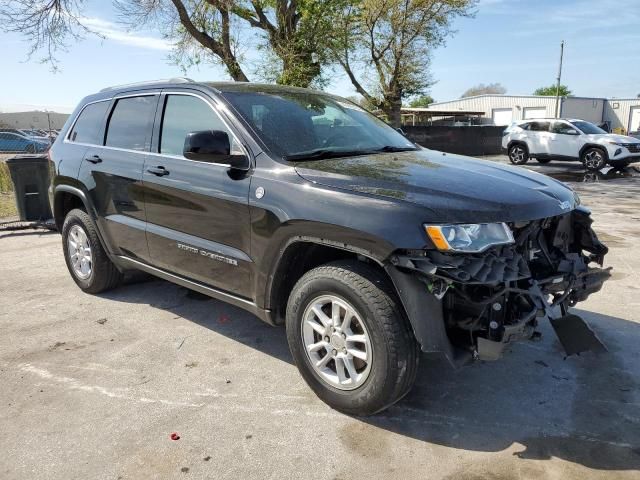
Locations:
(581, 409)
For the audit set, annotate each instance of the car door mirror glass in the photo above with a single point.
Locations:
(213, 146)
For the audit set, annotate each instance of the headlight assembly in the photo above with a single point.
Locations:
(471, 238)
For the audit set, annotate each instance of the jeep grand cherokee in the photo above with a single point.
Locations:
(309, 212)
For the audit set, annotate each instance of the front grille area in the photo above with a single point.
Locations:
(632, 147)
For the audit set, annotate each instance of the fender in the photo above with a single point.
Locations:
(594, 145)
(425, 313)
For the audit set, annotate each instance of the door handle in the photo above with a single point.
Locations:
(94, 159)
(159, 171)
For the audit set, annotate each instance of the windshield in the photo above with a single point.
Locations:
(587, 128)
(299, 125)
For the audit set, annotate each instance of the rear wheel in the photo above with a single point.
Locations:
(518, 154)
(594, 159)
(350, 339)
(86, 260)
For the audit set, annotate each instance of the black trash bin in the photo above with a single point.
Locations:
(30, 176)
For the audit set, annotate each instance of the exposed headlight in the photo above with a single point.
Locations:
(475, 237)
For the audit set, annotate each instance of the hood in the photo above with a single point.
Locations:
(610, 137)
(451, 188)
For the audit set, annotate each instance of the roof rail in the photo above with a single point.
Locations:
(148, 83)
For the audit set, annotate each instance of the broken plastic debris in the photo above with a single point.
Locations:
(174, 436)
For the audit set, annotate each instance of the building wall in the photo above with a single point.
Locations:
(33, 120)
(595, 110)
(487, 103)
(620, 117)
(589, 109)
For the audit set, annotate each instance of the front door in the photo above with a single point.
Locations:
(197, 212)
(113, 171)
(565, 140)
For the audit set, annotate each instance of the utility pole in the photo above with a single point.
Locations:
(559, 78)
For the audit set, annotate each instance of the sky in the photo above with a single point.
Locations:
(512, 42)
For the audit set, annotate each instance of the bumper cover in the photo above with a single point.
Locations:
(474, 305)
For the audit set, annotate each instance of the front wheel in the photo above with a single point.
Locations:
(518, 154)
(594, 159)
(350, 339)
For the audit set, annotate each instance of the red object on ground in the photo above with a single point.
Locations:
(174, 436)
(223, 319)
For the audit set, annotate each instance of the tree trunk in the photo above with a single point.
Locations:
(392, 106)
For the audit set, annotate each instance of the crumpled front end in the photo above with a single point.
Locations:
(487, 300)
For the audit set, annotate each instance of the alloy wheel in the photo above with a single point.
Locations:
(79, 252)
(517, 154)
(593, 159)
(337, 343)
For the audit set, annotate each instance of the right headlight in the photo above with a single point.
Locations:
(470, 238)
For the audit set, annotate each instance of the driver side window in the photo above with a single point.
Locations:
(184, 114)
(563, 128)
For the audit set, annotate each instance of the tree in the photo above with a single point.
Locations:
(482, 89)
(422, 101)
(385, 46)
(551, 91)
(293, 32)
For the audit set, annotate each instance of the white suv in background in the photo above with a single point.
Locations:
(562, 139)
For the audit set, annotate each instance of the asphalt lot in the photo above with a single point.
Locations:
(93, 386)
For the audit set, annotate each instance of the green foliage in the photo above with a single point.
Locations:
(551, 91)
(385, 46)
(482, 89)
(422, 101)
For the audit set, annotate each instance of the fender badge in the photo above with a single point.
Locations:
(565, 205)
(259, 192)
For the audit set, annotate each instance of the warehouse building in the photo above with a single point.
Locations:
(621, 115)
(35, 119)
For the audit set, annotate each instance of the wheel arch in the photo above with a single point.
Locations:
(65, 199)
(587, 146)
(300, 255)
(518, 142)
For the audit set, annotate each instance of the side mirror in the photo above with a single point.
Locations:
(212, 146)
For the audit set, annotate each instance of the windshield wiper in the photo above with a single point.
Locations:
(321, 153)
(392, 148)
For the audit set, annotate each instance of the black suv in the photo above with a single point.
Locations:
(308, 211)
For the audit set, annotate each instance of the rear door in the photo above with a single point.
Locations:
(540, 137)
(113, 172)
(198, 222)
(565, 139)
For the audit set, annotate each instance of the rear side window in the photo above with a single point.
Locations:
(184, 114)
(89, 123)
(539, 126)
(130, 123)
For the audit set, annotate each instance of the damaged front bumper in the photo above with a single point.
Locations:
(473, 305)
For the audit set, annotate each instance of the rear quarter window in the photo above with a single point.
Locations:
(89, 124)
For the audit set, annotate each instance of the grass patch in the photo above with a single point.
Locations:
(7, 205)
(5, 179)
(7, 199)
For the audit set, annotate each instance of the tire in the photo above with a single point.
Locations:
(98, 273)
(392, 352)
(518, 154)
(543, 160)
(594, 159)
